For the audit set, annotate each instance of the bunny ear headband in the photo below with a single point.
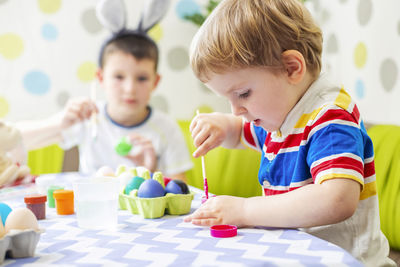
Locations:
(112, 15)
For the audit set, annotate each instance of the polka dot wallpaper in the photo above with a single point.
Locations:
(49, 49)
(361, 51)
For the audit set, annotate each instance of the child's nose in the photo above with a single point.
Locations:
(130, 87)
(237, 110)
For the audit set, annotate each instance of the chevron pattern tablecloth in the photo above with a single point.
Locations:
(168, 241)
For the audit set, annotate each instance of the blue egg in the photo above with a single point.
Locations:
(4, 211)
(134, 183)
(177, 187)
(150, 189)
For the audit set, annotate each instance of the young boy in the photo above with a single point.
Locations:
(317, 166)
(128, 74)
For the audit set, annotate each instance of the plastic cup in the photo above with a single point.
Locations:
(96, 202)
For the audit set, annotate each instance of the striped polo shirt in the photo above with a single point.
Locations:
(322, 138)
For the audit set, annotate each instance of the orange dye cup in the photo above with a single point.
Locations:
(64, 201)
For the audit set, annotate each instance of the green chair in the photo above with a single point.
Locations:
(386, 140)
(46, 160)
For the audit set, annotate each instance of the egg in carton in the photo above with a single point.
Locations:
(153, 197)
(20, 234)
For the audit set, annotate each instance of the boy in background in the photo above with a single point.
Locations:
(128, 74)
(317, 166)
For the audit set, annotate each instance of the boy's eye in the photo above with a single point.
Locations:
(245, 94)
(142, 78)
(119, 77)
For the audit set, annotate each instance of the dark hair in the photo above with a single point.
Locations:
(135, 43)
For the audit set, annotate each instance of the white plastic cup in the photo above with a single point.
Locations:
(96, 202)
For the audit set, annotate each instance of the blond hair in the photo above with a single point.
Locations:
(254, 33)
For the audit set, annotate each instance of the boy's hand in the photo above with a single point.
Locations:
(219, 210)
(212, 130)
(76, 110)
(143, 152)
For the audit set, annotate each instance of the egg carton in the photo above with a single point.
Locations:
(150, 208)
(19, 244)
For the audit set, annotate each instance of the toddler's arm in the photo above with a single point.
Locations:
(313, 205)
(41, 133)
(215, 129)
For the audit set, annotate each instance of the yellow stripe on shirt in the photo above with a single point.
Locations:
(368, 191)
(343, 100)
(306, 117)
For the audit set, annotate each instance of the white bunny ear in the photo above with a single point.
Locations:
(153, 12)
(111, 14)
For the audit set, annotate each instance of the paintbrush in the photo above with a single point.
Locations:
(203, 166)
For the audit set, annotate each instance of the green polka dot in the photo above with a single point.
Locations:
(90, 22)
(11, 46)
(49, 6)
(62, 98)
(364, 12)
(160, 102)
(4, 107)
(360, 55)
(156, 33)
(87, 71)
(388, 74)
(178, 58)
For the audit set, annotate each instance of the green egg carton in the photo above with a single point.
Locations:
(150, 208)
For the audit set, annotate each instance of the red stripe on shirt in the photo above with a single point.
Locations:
(340, 162)
(248, 136)
(271, 192)
(356, 113)
(369, 169)
(294, 140)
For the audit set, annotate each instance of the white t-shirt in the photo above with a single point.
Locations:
(167, 138)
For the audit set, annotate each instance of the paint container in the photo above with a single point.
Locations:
(37, 204)
(64, 201)
(50, 197)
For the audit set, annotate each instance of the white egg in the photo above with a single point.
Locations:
(105, 171)
(21, 219)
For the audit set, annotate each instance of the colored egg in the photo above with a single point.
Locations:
(150, 189)
(123, 147)
(4, 211)
(134, 183)
(177, 187)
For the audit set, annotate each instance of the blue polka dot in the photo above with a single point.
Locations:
(360, 89)
(187, 7)
(49, 32)
(37, 82)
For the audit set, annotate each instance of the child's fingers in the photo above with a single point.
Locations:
(193, 123)
(204, 222)
(206, 146)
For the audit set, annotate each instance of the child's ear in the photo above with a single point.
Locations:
(294, 64)
(99, 75)
(156, 81)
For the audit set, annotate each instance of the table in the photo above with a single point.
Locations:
(168, 241)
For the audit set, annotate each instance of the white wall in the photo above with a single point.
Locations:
(361, 51)
(49, 48)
